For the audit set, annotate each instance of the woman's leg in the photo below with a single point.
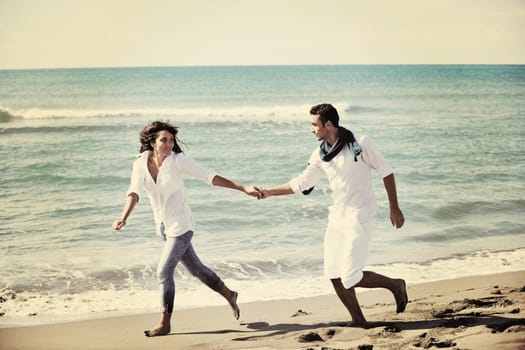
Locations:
(174, 249)
(210, 278)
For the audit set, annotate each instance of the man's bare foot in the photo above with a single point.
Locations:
(233, 303)
(401, 296)
(160, 330)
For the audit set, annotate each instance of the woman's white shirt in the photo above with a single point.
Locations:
(167, 195)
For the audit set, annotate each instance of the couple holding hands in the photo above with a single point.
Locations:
(346, 161)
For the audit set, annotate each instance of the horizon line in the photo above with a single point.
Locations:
(263, 65)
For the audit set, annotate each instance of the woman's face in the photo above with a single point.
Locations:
(164, 143)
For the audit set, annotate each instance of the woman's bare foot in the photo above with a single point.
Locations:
(231, 297)
(401, 296)
(160, 330)
(233, 303)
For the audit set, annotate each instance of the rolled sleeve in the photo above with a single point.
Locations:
(295, 185)
(310, 176)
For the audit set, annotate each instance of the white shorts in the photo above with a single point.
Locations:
(346, 244)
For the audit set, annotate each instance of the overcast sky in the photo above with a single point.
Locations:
(109, 33)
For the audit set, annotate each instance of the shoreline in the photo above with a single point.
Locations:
(38, 307)
(476, 312)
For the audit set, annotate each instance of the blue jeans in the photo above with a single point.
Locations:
(180, 249)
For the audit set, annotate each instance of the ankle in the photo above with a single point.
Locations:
(165, 319)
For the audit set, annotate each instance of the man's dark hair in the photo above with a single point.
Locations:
(326, 112)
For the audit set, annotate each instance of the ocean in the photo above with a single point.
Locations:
(452, 133)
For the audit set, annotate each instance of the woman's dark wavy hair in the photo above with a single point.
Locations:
(149, 134)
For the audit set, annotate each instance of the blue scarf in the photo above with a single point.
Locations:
(345, 137)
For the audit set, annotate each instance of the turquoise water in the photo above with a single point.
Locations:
(453, 134)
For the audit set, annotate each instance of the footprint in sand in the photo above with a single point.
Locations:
(300, 313)
(309, 337)
(426, 341)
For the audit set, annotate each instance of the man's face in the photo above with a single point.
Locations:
(318, 129)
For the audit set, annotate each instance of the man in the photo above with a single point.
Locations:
(348, 164)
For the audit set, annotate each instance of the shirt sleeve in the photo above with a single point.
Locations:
(137, 178)
(374, 158)
(194, 169)
(310, 176)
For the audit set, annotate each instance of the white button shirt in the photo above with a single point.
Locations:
(167, 195)
(350, 181)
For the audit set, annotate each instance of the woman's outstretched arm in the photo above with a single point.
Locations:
(131, 202)
(223, 182)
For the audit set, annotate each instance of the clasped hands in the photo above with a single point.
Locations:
(257, 192)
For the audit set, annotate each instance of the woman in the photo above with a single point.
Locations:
(158, 171)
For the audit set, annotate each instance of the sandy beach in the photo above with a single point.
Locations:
(480, 312)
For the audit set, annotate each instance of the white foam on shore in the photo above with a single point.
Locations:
(32, 308)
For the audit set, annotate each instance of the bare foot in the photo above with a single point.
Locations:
(233, 303)
(401, 296)
(160, 330)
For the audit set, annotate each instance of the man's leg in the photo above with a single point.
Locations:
(370, 280)
(349, 300)
(396, 286)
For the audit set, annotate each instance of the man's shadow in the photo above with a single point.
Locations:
(496, 323)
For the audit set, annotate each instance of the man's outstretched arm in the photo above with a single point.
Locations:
(280, 190)
(396, 216)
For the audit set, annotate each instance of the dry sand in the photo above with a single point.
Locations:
(483, 312)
